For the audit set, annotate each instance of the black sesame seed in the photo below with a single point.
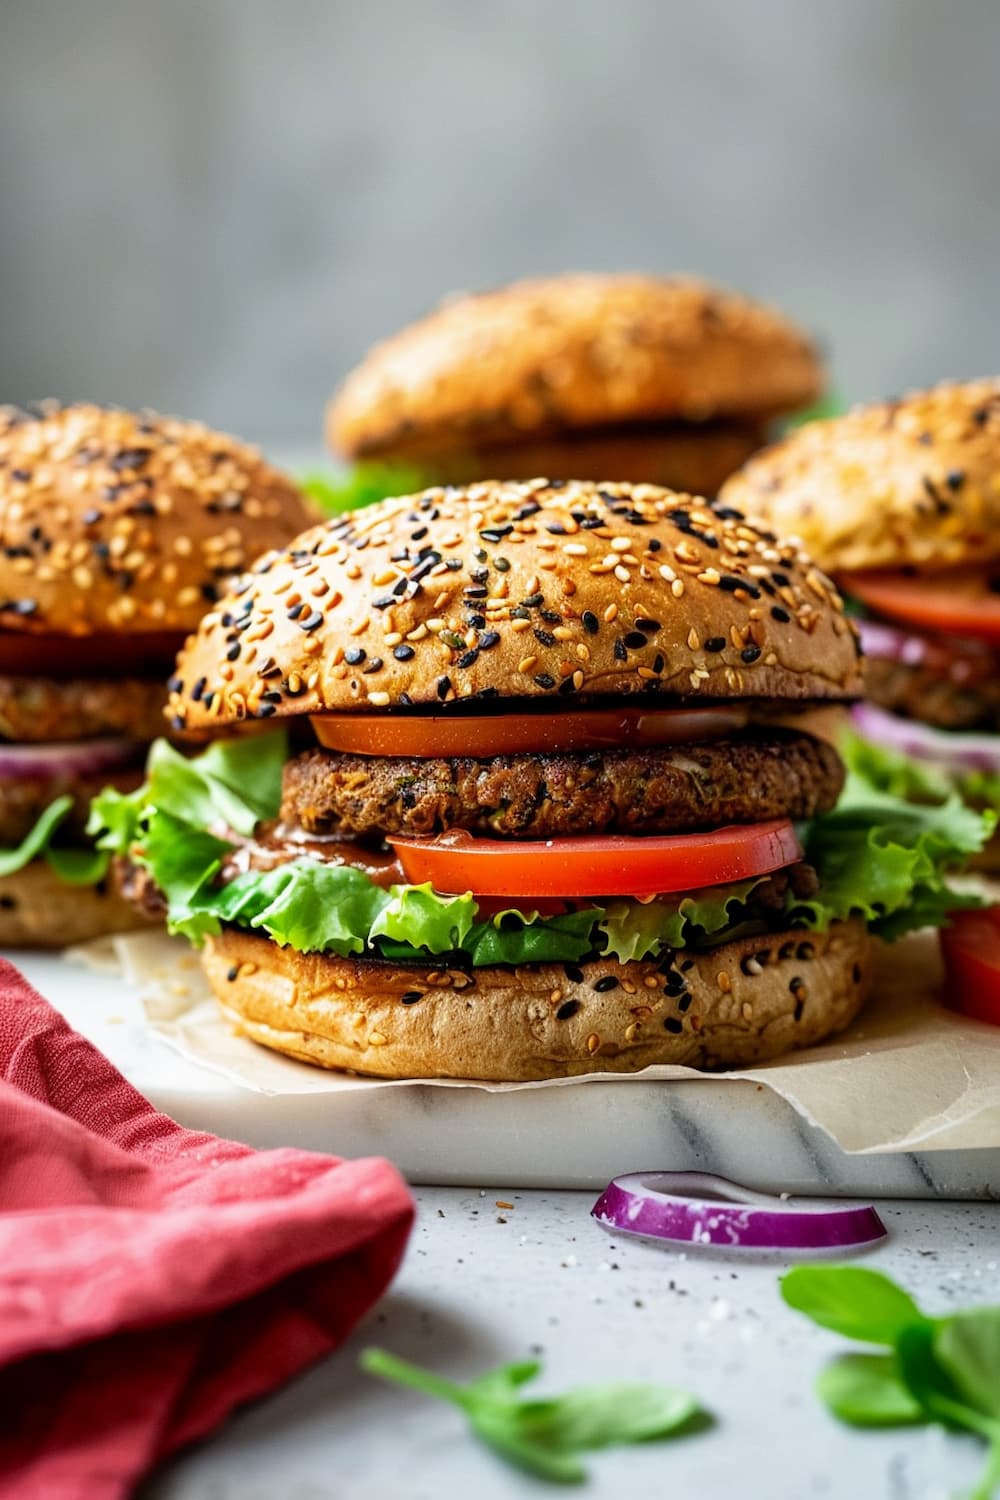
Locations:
(544, 637)
(634, 640)
(591, 624)
(781, 615)
(233, 973)
(496, 533)
(659, 662)
(567, 1009)
(233, 653)
(620, 652)
(355, 656)
(644, 623)
(545, 681)
(674, 1025)
(467, 659)
(605, 983)
(750, 654)
(293, 613)
(198, 689)
(532, 601)
(551, 615)
(488, 640)
(443, 687)
(383, 602)
(573, 972)
(311, 621)
(955, 479)
(375, 665)
(404, 653)
(411, 997)
(715, 643)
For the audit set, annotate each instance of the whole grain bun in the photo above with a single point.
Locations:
(520, 591)
(691, 457)
(126, 522)
(38, 910)
(744, 1002)
(572, 352)
(908, 483)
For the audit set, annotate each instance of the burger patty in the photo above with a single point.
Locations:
(23, 799)
(947, 700)
(38, 709)
(672, 789)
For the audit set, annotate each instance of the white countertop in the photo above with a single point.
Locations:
(483, 1285)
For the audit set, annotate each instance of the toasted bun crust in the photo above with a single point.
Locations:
(518, 590)
(741, 1003)
(572, 352)
(116, 521)
(694, 458)
(914, 482)
(37, 910)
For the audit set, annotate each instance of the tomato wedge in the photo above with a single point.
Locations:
(89, 655)
(971, 951)
(605, 865)
(484, 735)
(959, 602)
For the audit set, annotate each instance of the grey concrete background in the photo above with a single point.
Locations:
(214, 206)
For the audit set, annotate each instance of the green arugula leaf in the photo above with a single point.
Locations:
(858, 1303)
(968, 1346)
(544, 1436)
(944, 1370)
(868, 1390)
(832, 404)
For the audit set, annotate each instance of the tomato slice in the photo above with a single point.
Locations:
(605, 865)
(484, 735)
(89, 655)
(971, 951)
(958, 602)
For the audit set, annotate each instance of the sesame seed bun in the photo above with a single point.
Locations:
(914, 482)
(692, 457)
(744, 1002)
(527, 591)
(568, 353)
(38, 910)
(118, 522)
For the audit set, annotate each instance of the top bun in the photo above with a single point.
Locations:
(908, 483)
(532, 590)
(128, 522)
(567, 353)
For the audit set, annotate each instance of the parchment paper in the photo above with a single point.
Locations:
(908, 1074)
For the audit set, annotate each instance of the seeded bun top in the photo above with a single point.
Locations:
(526, 591)
(116, 521)
(914, 482)
(571, 352)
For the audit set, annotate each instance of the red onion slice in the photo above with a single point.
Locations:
(886, 643)
(698, 1208)
(75, 758)
(951, 749)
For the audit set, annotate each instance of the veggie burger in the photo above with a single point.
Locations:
(901, 502)
(520, 781)
(578, 376)
(117, 531)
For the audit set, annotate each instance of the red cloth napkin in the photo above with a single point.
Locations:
(153, 1278)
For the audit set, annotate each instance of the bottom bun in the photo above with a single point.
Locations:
(38, 910)
(743, 1002)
